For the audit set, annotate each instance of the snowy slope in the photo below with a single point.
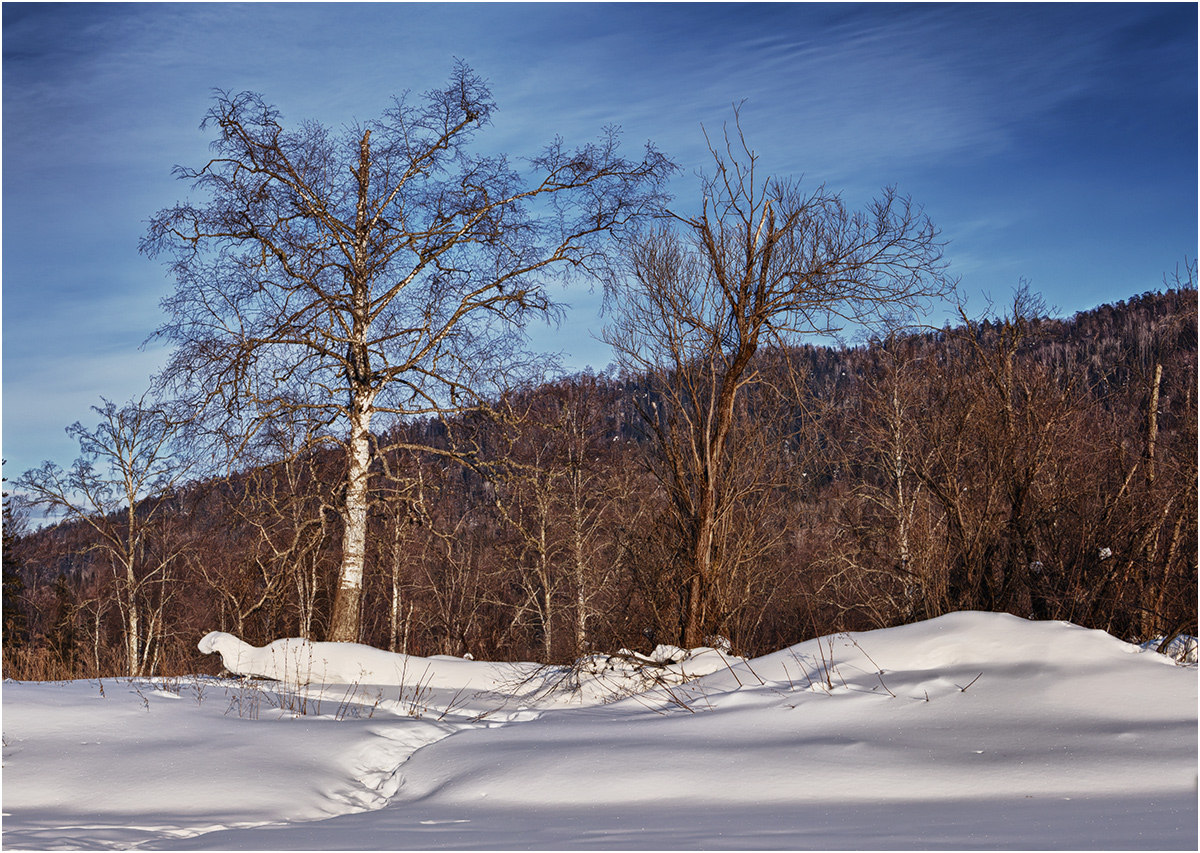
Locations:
(972, 730)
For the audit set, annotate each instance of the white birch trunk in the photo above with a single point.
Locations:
(344, 626)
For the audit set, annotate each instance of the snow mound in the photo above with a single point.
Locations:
(973, 730)
(591, 680)
(967, 708)
(298, 661)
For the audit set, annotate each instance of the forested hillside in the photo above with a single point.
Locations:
(1041, 467)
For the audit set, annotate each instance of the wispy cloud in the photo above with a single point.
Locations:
(1052, 141)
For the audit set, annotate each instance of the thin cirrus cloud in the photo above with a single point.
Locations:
(911, 88)
(1049, 141)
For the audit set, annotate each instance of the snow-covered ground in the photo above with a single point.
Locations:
(972, 730)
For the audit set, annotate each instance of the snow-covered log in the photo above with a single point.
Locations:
(298, 661)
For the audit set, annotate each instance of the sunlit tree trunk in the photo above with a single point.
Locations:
(344, 624)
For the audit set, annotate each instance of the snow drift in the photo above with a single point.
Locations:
(971, 730)
(299, 662)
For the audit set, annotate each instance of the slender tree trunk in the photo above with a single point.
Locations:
(1148, 619)
(548, 615)
(133, 626)
(96, 638)
(1168, 573)
(543, 569)
(898, 475)
(716, 427)
(407, 623)
(132, 620)
(702, 523)
(577, 545)
(693, 626)
(1152, 424)
(305, 605)
(344, 624)
(394, 627)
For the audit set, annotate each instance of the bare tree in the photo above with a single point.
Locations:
(762, 264)
(882, 559)
(402, 509)
(526, 480)
(384, 269)
(1019, 464)
(588, 499)
(118, 487)
(271, 525)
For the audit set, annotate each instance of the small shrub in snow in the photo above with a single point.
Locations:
(1181, 649)
(610, 677)
(720, 643)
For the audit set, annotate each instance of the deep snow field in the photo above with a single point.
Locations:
(974, 730)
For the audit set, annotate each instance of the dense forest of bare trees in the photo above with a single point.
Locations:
(1037, 466)
(351, 442)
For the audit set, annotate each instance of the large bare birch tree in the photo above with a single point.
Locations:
(383, 268)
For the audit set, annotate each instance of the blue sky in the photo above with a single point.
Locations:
(1054, 143)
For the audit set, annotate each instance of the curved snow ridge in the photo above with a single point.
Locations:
(953, 643)
(377, 764)
(413, 701)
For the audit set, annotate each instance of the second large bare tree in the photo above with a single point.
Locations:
(385, 268)
(763, 263)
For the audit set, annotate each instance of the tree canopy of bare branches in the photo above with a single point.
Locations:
(763, 262)
(127, 463)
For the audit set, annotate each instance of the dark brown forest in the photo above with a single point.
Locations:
(1041, 467)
